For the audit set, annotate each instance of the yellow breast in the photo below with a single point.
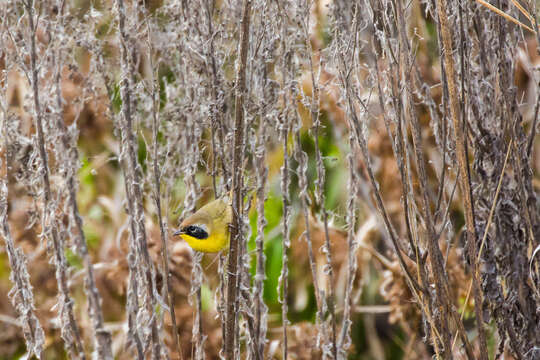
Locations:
(214, 243)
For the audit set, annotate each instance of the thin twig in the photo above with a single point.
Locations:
(523, 11)
(283, 278)
(352, 246)
(259, 305)
(504, 15)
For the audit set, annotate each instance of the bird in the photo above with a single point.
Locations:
(207, 230)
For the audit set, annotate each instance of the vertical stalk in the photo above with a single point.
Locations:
(463, 165)
(216, 113)
(21, 296)
(345, 340)
(260, 307)
(70, 329)
(197, 348)
(283, 278)
(321, 178)
(102, 338)
(238, 155)
(302, 159)
(169, 295)
(134, 182)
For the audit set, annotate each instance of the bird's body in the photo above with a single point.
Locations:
(207, 230)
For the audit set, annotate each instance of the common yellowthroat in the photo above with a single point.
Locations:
(208, 229)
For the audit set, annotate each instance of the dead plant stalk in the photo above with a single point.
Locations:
(238, 155)
(463, 167)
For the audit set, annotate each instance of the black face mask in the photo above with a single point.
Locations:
(195, 231)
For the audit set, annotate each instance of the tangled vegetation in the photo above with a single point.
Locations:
(381, 158)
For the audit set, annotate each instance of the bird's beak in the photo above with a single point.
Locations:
(178, 232)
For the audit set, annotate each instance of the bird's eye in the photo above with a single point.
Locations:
(196, 231)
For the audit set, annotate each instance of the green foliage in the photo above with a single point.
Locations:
(73, 259)
(4, 266)
(273, 209)
(116, 98)
(309, 312)
(142, 153)
(87, 189)
(104, 28)
(166, 76)
(273, 251)
(91, 235)
(207, 297)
